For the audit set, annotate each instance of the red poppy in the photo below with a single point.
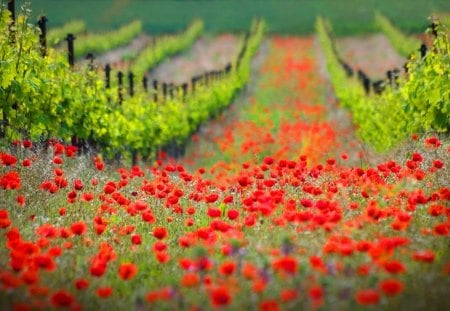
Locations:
(78, 228)
(10, 181)
(316, 292)
(287, 264)
(77, 184)
(104, 292)
(367, 297)
(62, 298)
(190, 279)
(391, 287)
(136, 239)
(127, 271)
(269, 305)
(288, 294)
(220, 296)
(8, 159)
(424, 256)
(160, 233)
(394, 267)
(227, 268)
(81, 284)
(214, 212)
(233, 214)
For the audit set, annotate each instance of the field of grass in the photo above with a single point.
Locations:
(282, 16)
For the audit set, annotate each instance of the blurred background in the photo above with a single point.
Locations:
(282, 16)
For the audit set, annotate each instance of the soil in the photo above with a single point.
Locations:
(373, 54)
(117, 55)
(206, 54)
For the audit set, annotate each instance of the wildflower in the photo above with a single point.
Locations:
(127, 271)
(160, 233)
(78, 228)
(426, 256)
(394, 267)
(136, 239)
(287, 264)
(391, 287)
(227, 268)
(190, 279)
(104, 292)
(62, 298)
(269, 305)
(367, 297)
(8, 159)
(220, 296)
(81, 284)
(10, 181)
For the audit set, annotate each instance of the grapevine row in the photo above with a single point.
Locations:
(402, 43)
(42, 97)
(56, 35)
(419, 102)
(102, 42)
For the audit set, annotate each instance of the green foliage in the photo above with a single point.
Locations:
(41, 97)
(165, 46)
(56, 35)
(102, 42)
(404, 44)
(421, 102)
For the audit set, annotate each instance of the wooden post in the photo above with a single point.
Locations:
(184, 86)
(171, 90)
(70, 51)
(90, 57)
(423, 50)
(120, 83)
(131, 83)
(228, 68)
(12, 9)
(107, 76)
(145, 83)
(433, 27)
(390, 76)
(42, 23)
(155, 90)
(164, 89)
(193, 81)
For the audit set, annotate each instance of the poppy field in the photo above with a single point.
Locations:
(276, 204)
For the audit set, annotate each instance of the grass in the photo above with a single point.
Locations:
(287, 16)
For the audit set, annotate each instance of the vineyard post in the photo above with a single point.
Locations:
(171, 90)
(185, 89)
(70, 52)
(155, 90)
(389, 76)
(107, 76)
(164, 89)
(193, 80)
(120, 83)
(131, 83)
(423, 50)
(228, 68)
(90, 57)
(42, 23)
(145, 83)
(12, 9)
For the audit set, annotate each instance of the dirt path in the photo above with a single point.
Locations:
(118, 55)
(373, 54)
(287, 111)
(206, 54)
